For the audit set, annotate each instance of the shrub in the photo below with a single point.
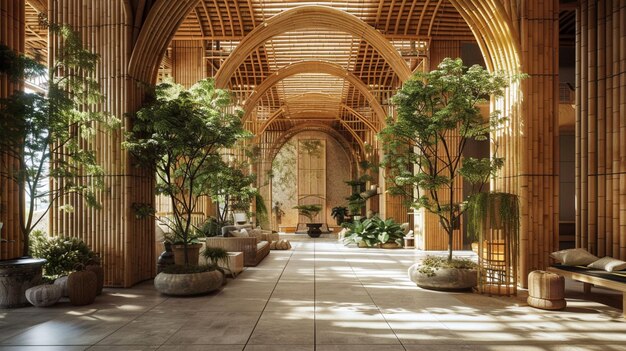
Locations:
(63, 254)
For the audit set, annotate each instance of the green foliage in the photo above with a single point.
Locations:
(308, 211)
(179, 133)
(214, 254)
(339, 213)
(374, 231)
(210, 227)
(431, 264)
(437, 114)
(63, 255)
(55, 128)
(495, 210)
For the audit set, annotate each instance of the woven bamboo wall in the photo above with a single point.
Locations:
(12, 35)
(601, 127)
(187, 63)
(125, 243)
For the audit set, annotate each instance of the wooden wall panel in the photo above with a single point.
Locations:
(125, 243)
(187, 62)
(12, 24)
(601, 127)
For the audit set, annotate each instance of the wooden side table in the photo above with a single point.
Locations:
(234, 263)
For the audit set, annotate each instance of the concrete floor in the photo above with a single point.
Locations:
(319, 296)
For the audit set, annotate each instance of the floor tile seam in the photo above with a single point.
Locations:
(130, 321)
(269, 298)
(377, 307)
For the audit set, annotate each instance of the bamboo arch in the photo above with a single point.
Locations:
(156, 33)
(312, 17)
(350, 110)
(313, 67)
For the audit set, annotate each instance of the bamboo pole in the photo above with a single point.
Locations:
(12, 26)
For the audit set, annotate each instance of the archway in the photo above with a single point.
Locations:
(289, 184)
(313, 67)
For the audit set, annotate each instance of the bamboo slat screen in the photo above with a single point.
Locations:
(187, 62)
(12, 35)
(601, 127)
(125, 243)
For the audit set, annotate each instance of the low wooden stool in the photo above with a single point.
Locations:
(546, 290)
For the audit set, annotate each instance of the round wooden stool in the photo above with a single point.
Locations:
(546, 290)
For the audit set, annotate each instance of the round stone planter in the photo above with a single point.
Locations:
(444, 278)
(15, 277)
(188, 284)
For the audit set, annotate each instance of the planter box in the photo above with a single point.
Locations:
(234, 262)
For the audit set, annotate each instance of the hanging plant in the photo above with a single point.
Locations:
(495, 210)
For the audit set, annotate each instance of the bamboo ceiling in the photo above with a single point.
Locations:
(219, 25)
(322, 98)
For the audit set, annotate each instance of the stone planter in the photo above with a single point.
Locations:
(16, 276)
(188, 284)
(193, 252)
(314, 230)
(444, 278)
(44, 295)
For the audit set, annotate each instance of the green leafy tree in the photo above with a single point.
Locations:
(50, 133)
(179, 133)
(437, 114)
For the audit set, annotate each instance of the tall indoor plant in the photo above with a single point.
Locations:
(437, 115)
(49, 135)
(180, 133)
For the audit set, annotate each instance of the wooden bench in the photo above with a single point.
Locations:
(589, 280)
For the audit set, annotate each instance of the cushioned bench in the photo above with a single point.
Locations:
(254, 248)
(589, 277)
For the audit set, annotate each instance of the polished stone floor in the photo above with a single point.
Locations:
(319, 296)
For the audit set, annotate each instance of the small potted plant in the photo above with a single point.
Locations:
(339, 213)
(310, 212)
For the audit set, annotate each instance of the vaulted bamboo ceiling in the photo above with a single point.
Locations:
(318, 97)
(218, 26)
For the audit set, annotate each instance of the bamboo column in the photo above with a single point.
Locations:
(12, 24)
(538, 143)
(601, 127)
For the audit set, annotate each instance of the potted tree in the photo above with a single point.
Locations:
(49, 135)
(339, 213)
(310, 211)
(437, 115)
(179, 133)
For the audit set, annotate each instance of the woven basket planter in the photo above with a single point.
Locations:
(82, 287)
